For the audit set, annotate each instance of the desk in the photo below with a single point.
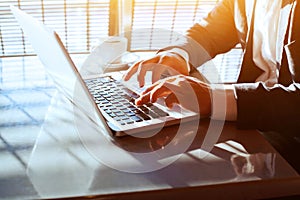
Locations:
(60, 165)
(72, 170)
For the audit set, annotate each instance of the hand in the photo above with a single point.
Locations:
(186, 91)
(163, 62)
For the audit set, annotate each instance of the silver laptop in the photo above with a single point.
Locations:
(104, 98)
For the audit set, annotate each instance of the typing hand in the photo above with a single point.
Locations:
(164, 62)
(186, 91)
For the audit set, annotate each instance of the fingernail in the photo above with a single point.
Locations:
(137, 101)
(153, 100)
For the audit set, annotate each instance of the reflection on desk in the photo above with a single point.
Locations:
(242, 157)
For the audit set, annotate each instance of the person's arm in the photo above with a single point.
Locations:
(268, 108)
(214, 34)
(256, 106)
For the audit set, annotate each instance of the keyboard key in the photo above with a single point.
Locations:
(143, 108)
(129, 113)
(153, 115)
(112, 115)
(105, 79)
(143, 116)
(136, 118)
(128, 121)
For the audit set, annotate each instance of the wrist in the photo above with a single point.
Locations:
(223, 106)
(183, 54)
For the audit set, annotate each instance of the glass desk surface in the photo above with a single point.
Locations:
(47, 158)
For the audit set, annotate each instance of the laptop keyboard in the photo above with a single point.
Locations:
(118, 101)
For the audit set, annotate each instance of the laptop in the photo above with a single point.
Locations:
(105, 98)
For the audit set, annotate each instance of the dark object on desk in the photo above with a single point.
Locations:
(287, 145)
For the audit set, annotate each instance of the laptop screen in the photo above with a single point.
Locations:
(58, 63)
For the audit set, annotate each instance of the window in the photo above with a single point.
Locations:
(148, 25)
(157, 23)
(78, 22)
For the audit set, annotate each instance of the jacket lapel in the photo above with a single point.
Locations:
(285, 13)
(249, 71)
(294, 31)
(292, 47)
(249, 8)
(243, 15)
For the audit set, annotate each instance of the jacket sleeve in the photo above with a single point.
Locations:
(265, 108)
(274, 108)
(214, 34)
(217, 32)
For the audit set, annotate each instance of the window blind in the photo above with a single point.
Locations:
(78, 22)
(157, 23)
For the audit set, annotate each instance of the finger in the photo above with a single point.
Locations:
(151, 87)
(144, 67)
(148, 89)
(173, 71)
(171, 100)
(162, 82)
(132, 70)
(159, 92)
(172, 85)
(153, 95)
(157, 72)
(143, 99)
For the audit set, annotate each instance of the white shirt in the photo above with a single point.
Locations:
(266, 48)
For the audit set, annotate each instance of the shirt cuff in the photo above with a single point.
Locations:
(223, 105)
